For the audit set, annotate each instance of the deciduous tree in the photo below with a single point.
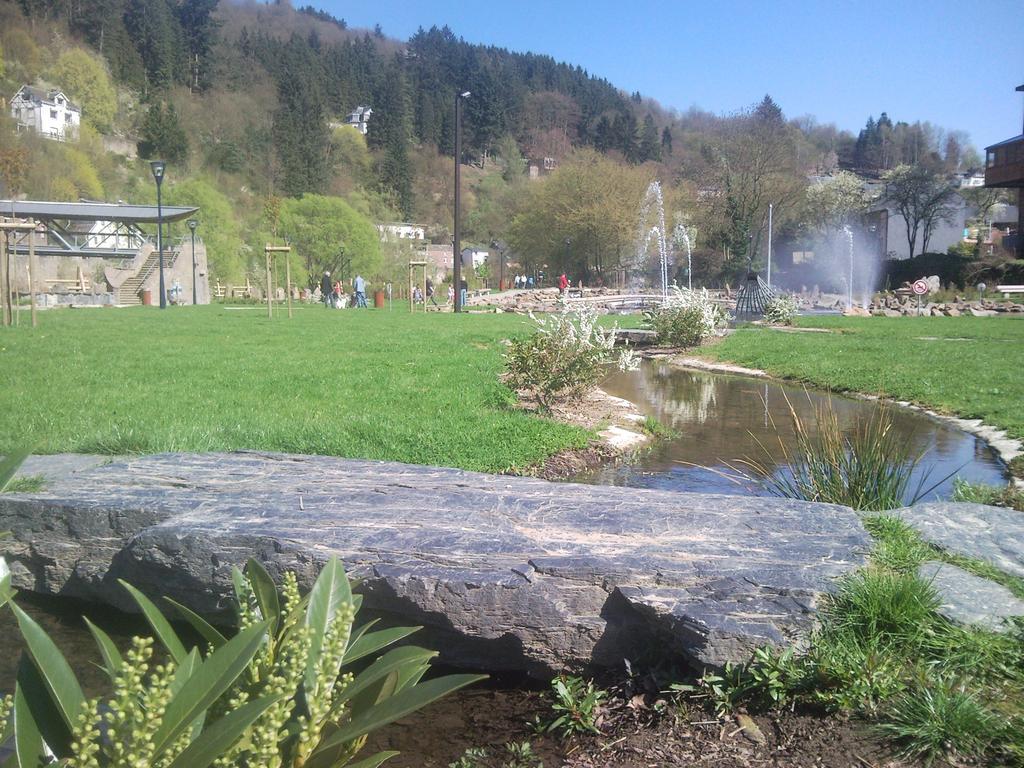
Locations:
(923, 196)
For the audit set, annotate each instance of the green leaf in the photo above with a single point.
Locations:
(53, 668)
(55, 732)
(161, 627)
(211, 634)
(393, 660)
(11, 462)
(266, 592)
(184, 671)
(410, 676)
(397, 707)
(329, 592)
(28, 742)
(365, 644)
(222, 735)
(111, 656)
(214, 676)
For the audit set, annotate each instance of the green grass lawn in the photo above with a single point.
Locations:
(972, 367)
(369, 384)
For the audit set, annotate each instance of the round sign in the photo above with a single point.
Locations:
(920, 287)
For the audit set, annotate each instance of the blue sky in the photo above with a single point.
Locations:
(952, 63)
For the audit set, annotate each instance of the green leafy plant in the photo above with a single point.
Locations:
(280, 692)
(517, 755)
(563, 358)
(686, 318)
(576, 705)
(781, 310)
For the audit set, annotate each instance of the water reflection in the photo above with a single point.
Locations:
(723, 418)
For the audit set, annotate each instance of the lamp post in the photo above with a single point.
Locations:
(158, 167)
(457, 240)
(192, 224)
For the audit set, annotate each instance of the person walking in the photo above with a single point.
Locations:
(563, 284)
(360, 286)
(463, 293)
(431, 292)
(326, 289)
(451, 295)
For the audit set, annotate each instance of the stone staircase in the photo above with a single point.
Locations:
(130, 292)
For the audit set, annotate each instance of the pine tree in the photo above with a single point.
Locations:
(666, 141)
(650, 149)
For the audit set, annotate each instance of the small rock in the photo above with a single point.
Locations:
(750, 729)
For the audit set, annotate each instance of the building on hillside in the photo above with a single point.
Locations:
(49, 113)
(474, 258)
(393, 231)
(971, 179)
(1004, 167)
(359, 119)
(541, 166)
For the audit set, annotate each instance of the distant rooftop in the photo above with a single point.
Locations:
(134, 214)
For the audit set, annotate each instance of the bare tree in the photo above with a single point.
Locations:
(923, 196)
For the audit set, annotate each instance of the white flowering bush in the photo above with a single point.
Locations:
(564, 357)
(686, 318)
(781, 310)
(285, 691)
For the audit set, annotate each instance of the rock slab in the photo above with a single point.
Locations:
(970, 599)
(506, 573)
(994, 535)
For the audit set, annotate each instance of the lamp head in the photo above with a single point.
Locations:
(465, 95)
(192, 224)
(158, 167)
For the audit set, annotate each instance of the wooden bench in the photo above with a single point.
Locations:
(1006, 290)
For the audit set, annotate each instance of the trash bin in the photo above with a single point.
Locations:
(378, 299)
(147, 298)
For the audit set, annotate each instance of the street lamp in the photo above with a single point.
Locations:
(158, 167)
(192, 224)
(457, 239)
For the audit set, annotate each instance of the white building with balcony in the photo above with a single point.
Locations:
(49, 113)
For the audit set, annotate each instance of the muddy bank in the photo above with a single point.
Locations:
(619, 434)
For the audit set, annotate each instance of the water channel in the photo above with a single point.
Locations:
(718, 419)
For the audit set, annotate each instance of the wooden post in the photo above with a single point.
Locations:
(411, 306)
(288, 282)
(270, 306)
(424, 269)
(5, 281)
(32, 273)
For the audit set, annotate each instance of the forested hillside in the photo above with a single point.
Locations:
(246, 102)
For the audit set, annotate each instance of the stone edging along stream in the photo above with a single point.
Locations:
(1006, 447)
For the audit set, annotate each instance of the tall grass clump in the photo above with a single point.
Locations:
(867, 467)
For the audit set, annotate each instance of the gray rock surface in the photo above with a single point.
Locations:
(57, 466)
(992, 534)
(505, 572)
(970, 599)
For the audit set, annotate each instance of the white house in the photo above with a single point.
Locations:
(402, 231)
(358, 119)
(48, 113)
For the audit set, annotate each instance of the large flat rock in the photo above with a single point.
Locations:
(970, 599)
(992, 534)
(505, 572)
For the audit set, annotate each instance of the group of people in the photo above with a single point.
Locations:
(523, 281)
(332, 293)
(418, 298)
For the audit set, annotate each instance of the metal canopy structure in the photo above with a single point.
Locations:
(91, 229)
(753, 297)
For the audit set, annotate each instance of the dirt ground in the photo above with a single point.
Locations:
(638, 731)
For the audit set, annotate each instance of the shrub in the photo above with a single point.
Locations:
(282, 691)
(686, 318)
(576, 705)
(564, 358)
(781, 310)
